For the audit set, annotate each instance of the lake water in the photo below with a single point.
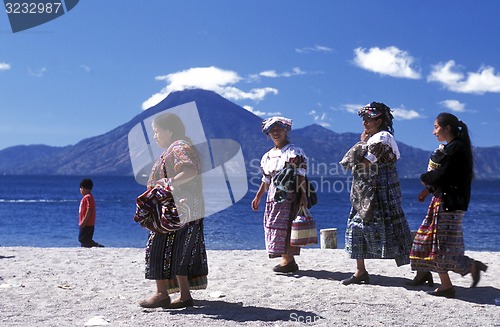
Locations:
(42, 211)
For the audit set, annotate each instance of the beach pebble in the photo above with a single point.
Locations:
(217, 294)
(97, 321)
(65, 286)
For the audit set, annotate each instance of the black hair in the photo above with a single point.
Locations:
(173, 123)
(460, 131)
(87, 183)
(386, 116)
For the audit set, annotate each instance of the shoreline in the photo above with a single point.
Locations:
(23, 248)
(72, 286)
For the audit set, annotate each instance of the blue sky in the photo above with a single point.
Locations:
(102, 63)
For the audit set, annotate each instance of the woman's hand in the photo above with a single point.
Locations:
(262, 189)
(163, 183)
(303, 202)
(423, 194)
(364, 136)
(255, 204)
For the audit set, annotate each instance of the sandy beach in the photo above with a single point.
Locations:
(102, 286)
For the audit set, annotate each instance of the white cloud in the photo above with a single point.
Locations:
(296, 71)
(320, 118)
(273, 74)
(85, 68)
(389, 61)
(269, 73)
(233, 93)
(37, 73)
(352, 108)
(443, 73)
(480, 82)
(405, 114)
(204, 77)
(4, 66)
(255, 112)
(261, 113)
(207, 78)
(316, 48)
(453, 105)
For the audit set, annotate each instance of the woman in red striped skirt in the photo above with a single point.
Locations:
(439, 245)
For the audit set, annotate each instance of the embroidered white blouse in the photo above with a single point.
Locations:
(275, 159)
(383, 137)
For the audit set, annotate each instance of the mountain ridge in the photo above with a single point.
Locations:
(107, 154)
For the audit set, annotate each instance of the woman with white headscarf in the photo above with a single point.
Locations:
(281, 210)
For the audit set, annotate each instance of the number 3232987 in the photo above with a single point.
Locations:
(33, 8)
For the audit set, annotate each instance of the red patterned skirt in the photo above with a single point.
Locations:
(439, 243)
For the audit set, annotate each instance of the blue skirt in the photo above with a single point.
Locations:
(387, 234)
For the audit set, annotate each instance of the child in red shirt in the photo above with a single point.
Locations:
(87, 215)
